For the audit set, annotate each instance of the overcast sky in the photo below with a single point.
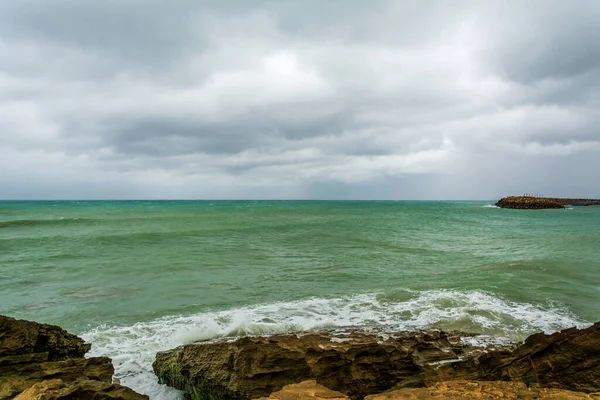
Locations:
(299, 99)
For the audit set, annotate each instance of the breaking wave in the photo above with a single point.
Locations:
(133, 347)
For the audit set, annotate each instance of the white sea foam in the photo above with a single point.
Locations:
(490, 206)
(133, 348)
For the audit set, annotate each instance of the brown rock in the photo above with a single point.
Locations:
(465, 390)
(568, 360)
(537, 203)
(31, 353)
(359, 364)
(14, 378)
(528, 202)
(353, 363)
(19, 337)
(57, 389)
(307, 390)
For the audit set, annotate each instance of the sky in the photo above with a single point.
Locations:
(311, 99)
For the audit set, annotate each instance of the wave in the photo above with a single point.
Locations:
(490, 206)
(133, 347)
(37, 222)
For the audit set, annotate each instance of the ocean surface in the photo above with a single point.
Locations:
(137, 277)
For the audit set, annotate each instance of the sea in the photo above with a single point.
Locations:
(137, 277)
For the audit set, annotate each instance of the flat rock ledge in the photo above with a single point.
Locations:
(455, 390)
(473, 390)
(45, 362)
(410, 365)
(306, 390)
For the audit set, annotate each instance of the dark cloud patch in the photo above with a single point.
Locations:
(148, 33)
(570, 91)
(551, 40)
(156, 138)
(159, 137)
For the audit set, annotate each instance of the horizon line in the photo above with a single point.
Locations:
(239, 199)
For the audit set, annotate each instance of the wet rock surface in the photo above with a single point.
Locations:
(353, 363)
(32, 353)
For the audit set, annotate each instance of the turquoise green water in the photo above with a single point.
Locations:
(137, 277)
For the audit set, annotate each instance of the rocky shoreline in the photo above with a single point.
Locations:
(355, 363)
(540, 203)
(44, 362)
(359, 365)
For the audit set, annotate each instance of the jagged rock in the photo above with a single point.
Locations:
(353, 363)
(16, 377)
(568, 360)
(461, 390)
(360, 364)
(57, 389)
(31, 353)
(307, 390)
(20, 337)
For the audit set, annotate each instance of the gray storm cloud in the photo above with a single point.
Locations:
(289, 99)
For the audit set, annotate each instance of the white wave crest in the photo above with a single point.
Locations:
(133, 348)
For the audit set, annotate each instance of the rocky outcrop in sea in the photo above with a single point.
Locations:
(540, 203)
(410, 365)
(45, 362)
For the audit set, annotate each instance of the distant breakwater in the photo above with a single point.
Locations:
(539, 203)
